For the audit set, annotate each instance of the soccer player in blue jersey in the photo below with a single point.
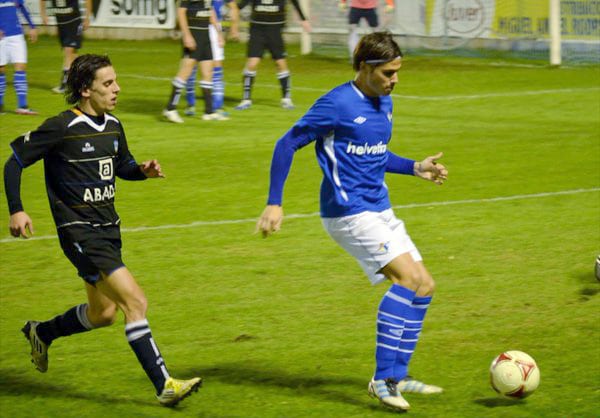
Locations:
(84, 149)
(13, 49)
(218, 52)
(351, 126)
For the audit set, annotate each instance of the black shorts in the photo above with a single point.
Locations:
(71, 33)
(92, 250)
(203, 51)
(370, 16)
(266, 37)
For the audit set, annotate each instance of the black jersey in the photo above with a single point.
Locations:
(198, 13)
(81, 159)
(65, 11)
(269, 12)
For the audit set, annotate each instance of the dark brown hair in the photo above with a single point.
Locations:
(82, 74)
(376, 48)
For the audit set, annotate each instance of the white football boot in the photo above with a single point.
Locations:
(172, 116)
(388, 394)
(411, 385)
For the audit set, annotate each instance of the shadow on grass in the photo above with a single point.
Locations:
(336, 389)
(590, 286)
(499, 401)
(15, 384)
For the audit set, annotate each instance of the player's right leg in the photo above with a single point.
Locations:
(121, 287)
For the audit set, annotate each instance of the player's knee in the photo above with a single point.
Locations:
(135, 308)
(104, 317)
(427, 287)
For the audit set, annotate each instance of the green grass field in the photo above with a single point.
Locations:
(284, 327)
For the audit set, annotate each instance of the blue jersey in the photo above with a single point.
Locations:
(9, 21)
(352, 132)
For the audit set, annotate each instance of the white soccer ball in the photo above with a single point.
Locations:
(515, 374)
(598, 267)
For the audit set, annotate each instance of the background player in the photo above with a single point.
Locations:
(267, 20)
(195, 17)
(362, 9)
(83, 150)
(13, 49)
(218, 51)
(70, 30)
(352, 126)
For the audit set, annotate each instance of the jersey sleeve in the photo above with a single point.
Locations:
(25, 13)
(34, 145)
(317, 122)
(126, 166)
(399, 165)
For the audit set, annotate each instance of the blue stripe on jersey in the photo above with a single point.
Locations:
(351, 131)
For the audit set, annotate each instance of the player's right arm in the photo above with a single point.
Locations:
(27, 149)
(20, 223)
(317, 122)
(186, 34)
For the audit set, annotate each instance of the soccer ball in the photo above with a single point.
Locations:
(598, 267)
(515, 374)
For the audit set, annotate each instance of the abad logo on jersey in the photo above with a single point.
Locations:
(99, 194)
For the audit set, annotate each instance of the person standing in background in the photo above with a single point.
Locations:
(13, 49)
(362, 9)
(218, 51)
(70, 25)
(267, 19)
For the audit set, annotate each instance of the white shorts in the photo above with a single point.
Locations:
(13, 49)
(373, 238)
(217, 51)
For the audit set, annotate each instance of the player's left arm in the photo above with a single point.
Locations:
(88, 14)
(234, 20)
(33, 35)
(305, 23)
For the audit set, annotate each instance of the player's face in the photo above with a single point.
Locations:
(380, 80)
(102, 95)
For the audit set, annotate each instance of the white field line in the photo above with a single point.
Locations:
(316, 214)
(423, 98)
(407, 97)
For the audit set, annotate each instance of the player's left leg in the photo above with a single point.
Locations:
(283, 75)
(413, 325)
(218, 54)
(69, 55)
(206, 68)
(190, 93)
(120, 287)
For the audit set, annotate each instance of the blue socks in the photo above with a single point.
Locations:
(413, 325)
(190, 88)
(394, 309)
(218, 88)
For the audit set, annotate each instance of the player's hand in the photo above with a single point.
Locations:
(189, 42)
(342, 5)
(20, 225)
(389, 8)
(33, 35)
(306, 26)
(45, 19)
(270, 220)
(1, 34)
(86, 23)
(151, 169)
(430, 169)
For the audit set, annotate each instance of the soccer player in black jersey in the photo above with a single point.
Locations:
(83, 149)
(195, 17)
(267, 20)
(70, 30)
